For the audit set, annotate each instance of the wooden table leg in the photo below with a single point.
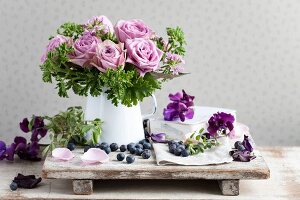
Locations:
(83, 187)
(229, 187)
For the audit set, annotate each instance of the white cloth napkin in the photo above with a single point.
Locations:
(216, 155)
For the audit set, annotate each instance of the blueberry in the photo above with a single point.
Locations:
(114, 146)
(130, 146)
(71, 146)
(107, 150)
(86, 148)
(147, 145)
(120, 156)
(184, 153)
(138, 151)
(13, 186)
(138, 146)
(181, 146)
(130, 159)
(123, 148)
(177, 151)
(237, 143)
(146, 154)
(172, 148)
(177, 144)
(171, 142)
(72, 140)
(143, 141)
(132, 150)
(103, 145)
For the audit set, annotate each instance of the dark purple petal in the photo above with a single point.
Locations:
(24, 125)
(19, 140)
(34, 135)
(190, 113)
(246, 143)
(10, 152)
(170, 114)
(243, 156)
(182, 117)
(159, 137)
(2, 145)
(38, 122)
(220, 122)
(27, 181)
(42, 132)
(176, 97)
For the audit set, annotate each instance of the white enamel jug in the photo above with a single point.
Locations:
(121, 124)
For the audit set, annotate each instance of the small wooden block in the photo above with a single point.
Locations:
(229, 187)
(83, 187)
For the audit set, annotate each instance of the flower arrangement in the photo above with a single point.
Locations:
(127, 61)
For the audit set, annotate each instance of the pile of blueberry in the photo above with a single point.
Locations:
(178, 148)
(143, 148)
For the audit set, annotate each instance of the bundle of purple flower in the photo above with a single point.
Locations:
(181, 107)
(26, 151)
(100, 45)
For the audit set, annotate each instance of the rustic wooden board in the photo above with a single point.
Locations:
(148, 169)
(284, 183)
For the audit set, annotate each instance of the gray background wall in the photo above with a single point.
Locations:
(241, 54)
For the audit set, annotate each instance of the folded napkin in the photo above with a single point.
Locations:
(216, 155)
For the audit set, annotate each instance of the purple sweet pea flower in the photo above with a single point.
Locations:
(243, 156)
(220, 122)
(158, 137)
(180, 107)
(2, 150)
(177, 109)
(24, 125)
(246, 143)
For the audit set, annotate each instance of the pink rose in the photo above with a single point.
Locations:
(100, 23)
(109, 55)
(84, 49)
(144, 54)
(54, 43)
(132, 29)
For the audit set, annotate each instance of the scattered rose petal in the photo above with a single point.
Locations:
(94, 155)
(62, 154)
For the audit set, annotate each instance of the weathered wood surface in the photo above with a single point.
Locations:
(229, 187)
(148, 169)
(82, 187)
(284, 183)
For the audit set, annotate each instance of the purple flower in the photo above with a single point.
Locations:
(7, 152)
(100, 23)
(26, 151)
(243, 156)
(84, 49)
(246, 143)
(220, 122)
(158, 137)
(143, 54)
(109, 55)
(180, 107)
(132, 29)
(27, 181)
(24, 125)
(53, 44)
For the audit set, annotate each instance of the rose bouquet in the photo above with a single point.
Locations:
(127, 61)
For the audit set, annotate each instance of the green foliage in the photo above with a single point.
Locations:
(198, 142)
(176, 41)
(69, 125)
(127, 86)
(70, 29)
